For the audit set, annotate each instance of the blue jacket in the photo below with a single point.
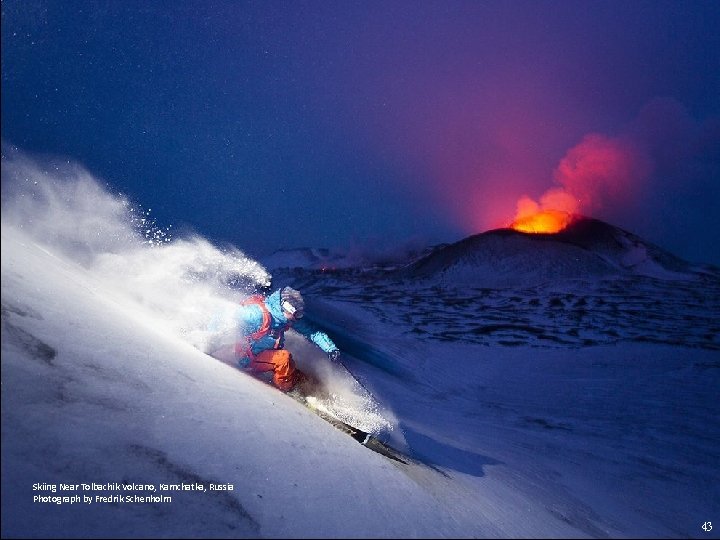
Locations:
(250, 319)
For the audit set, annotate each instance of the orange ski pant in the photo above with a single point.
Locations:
(281, 363)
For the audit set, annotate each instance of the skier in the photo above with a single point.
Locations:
(262, 323)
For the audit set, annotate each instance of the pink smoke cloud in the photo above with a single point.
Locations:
(598, 172)
(601, 170)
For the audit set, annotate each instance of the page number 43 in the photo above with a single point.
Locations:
(707, 526)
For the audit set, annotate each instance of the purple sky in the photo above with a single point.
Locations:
(331, 124)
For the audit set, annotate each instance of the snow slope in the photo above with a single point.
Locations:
(588, 248)
(577, 408)
(95, 391)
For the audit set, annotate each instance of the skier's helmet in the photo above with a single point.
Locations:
(292, 302)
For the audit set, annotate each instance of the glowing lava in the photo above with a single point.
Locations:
(593, 173)
(544, 221)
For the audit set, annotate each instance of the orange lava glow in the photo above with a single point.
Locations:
(544, 221)
(597, 171)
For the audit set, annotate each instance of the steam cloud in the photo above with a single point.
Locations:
(598, 171)
(645, 178)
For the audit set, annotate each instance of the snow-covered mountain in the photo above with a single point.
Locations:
(287, 260)
(577, 401)
(593, 284)
(587, 248)
(316, 258)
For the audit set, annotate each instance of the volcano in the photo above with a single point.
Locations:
(586, 248)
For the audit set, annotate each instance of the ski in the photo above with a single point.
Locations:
(363, 437)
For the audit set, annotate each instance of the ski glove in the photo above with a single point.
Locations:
(333, 355)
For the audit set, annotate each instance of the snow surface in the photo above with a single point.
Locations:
(585, 408)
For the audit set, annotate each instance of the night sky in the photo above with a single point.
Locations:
(340, 124)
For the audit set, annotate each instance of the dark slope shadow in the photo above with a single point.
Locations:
(437, 454)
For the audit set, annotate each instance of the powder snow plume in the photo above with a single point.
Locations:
(180, 282)
(598, 172)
